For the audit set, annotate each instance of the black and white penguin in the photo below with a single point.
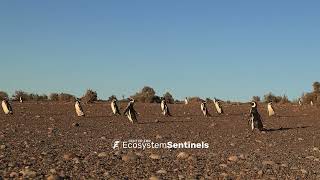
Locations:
(7, 109)
(271, 111)
(300, 102)
(218, 106)
(130, 112)
(114, 107)
(255, 118)
(21, 100)
(204, 109)
(165, 108)
(78, 108)
(186, 101)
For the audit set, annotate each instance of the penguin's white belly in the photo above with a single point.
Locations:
(218, 108)
(5, 108)
(271, 111)
(79, 110)
(162, 106)
(113, 108)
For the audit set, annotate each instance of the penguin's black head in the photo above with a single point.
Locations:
(253, 104)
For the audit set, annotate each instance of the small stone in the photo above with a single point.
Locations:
(129, 157)
(162, 171)
(303, 171)
(103, 154)
(155, 156)
(260, 173)
(300, 139)
(271, 163)
(156, 121)
(37, 116)
(53, 171)
(2, 146)
(241, 156)
(13, 175)
(224, 174)
(315, 149)
(67, 156)
(53, 177)
(154, 178)
(181, 177)
(158, 136)
(27, 173)
(223, 165)
(182, 155)
(75, 124)
(233, 158)
(310, 157)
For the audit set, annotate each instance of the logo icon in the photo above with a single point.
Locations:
(115, 144)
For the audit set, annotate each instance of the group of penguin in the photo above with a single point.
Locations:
(254, 117)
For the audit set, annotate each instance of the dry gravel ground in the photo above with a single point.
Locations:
(41, 140)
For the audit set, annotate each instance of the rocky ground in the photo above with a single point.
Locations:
(47, 140)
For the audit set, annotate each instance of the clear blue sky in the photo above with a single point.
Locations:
(226, 49)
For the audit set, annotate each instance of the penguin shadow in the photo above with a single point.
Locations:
(284, 129)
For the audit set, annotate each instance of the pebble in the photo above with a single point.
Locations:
(155, 156)
(53, 177)
(103, 154)
(154, 178)
(233, 158)
(223, 165)
(303, 171)
(13, 175)
(3, 146)
(271, 163)
(75, 124)
(162, 171)
(182, 155)
(129, 157)
(27, 173)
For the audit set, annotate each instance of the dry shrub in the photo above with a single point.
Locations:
(62, 97)
(112, 98)
(66, 97)
(256, 98)
(22, 94)
(312, 96)
(275, 99)
(195, 99)
(146, 95)
(29, 96)
(90, 96)
(3, 95)
(54, 97)
(169, 98)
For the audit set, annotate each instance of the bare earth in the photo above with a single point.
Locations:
(41, 140)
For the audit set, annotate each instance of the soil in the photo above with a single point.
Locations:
(46, 140)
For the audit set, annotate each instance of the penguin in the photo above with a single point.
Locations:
(255, 118)
(218, 106)
(165, 108)
(186, 101)
(7, 109)
(204, 109)
(271, 111)
(78, 108)
(300, 102)
(130, 112)
(311, 103)
(21, 100)
(114, 107)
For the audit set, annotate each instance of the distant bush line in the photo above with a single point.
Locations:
(148, 95)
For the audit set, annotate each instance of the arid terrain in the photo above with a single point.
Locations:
(47, 140)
